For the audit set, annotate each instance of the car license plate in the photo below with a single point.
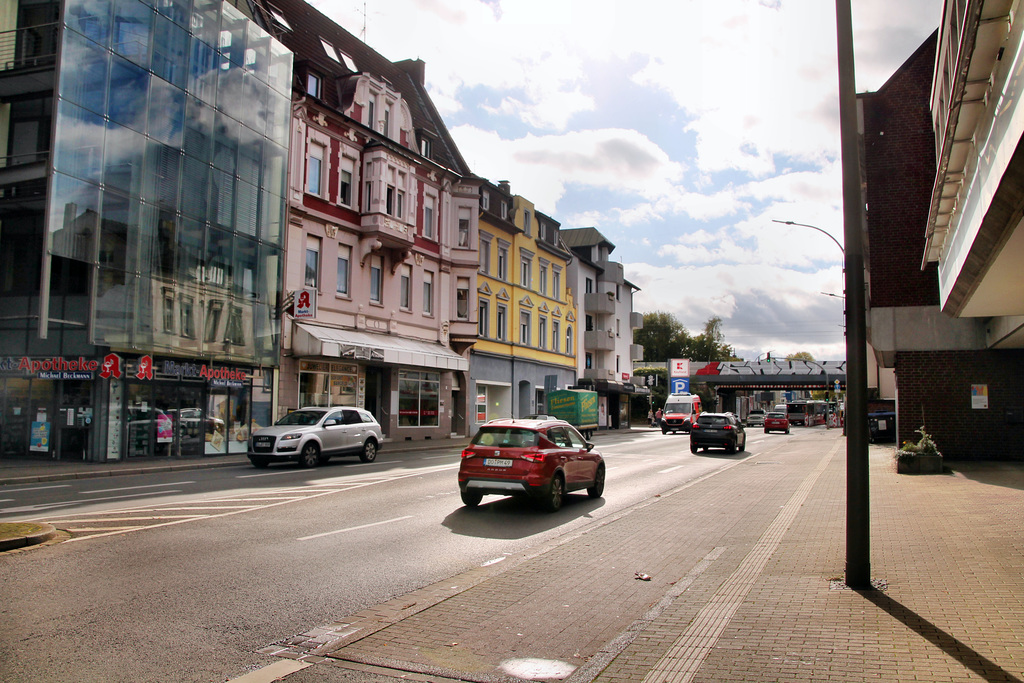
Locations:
(497, 462)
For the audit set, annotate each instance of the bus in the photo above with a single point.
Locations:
(807, 413)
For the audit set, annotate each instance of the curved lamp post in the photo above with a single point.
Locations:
(814, 227)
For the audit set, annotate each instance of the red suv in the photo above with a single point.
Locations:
(543, 459)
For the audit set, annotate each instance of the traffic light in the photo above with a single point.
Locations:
(768, 356)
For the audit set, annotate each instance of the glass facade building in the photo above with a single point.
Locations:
(141, 235)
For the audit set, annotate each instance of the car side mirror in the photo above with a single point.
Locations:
(590, 447)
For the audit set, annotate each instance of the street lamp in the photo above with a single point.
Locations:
(814, 227)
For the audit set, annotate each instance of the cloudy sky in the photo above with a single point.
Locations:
(678, 128)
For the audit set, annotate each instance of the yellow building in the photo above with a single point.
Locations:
(526, 315)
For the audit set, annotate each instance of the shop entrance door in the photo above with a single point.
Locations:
(74, 420)
(191, 427)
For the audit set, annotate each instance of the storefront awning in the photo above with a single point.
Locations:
(314, 340)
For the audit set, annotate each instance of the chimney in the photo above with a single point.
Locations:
(504, 186)
(416, 68)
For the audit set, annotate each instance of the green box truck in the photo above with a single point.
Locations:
(577, 407)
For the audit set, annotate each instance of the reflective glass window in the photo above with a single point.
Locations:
(83, 73)
(79, 147)
(257, 51)
(129, 89)
(250, 155)
(229, 94)
(131, 30)
(199, 121)
(278, 113)
(170, 52)
(166, 112)
(222, 198)
(114, 307)
(74, 210)
(206, 20)
(178, 11)
(91, 18)
(191, 246)
(272, 210)
(280, 73)
(202, 71)
(225, 144)
(123, 153)
(254, 94)
(244, 268)
(160, 181)
(218, 258)
(233, 33)
(166, 241)
(195, 180)
(275, 160)
(247, 200)
(119, 232)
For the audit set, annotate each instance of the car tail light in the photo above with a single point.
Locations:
(468, 452)
(727, 427)
(695, 426)
(533, 453)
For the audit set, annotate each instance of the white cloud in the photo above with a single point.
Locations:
(679, 128)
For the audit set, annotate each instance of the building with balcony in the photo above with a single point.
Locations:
(142, 210)
(944, 170)
(526, 312)
(606, 350)
(381, 260)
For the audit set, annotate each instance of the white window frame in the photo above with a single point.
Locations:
(485, 254)
(428, 293)
(312, 251)
(429, 216)
(484, 322)
(462, 298)
(316, 154)
(464, 227)
(542, 284)
(344, 256)
(376, 279)
(405, 289)
(542, 331)
(525, 323)
(525, 271)
(502, 273)
(501, 323)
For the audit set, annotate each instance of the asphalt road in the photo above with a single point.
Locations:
(184, 578)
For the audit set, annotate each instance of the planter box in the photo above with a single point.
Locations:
(921, 464)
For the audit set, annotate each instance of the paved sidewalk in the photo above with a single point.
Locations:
(746, 570)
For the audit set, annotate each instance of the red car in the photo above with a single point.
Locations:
(776, 422)
(542, 459)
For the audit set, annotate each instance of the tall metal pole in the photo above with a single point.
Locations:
(858, 532)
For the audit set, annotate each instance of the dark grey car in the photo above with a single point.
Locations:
(718, 430)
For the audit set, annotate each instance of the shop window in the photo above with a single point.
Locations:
(481, 403)
(418, 398)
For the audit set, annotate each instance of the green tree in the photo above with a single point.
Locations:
(662, 337)
(800, 355)
(710, 345)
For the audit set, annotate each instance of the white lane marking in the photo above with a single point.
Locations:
(37, 488)
(671, 469)
(146, 486)
(354, 528)
(54, 506)
(496, 560)
(265, 474)
(375, 462)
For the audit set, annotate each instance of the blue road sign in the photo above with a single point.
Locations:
(680, 385)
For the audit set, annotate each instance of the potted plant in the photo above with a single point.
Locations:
(920, 457)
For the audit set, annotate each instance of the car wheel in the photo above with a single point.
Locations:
(787, 430)
(471, 498)
(259, 462)
(310, 455)
(664, 431)
(597, 490)
(693, 447)
(555, 494)
(369, 453)
(767, 431)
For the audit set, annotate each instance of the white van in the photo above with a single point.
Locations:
(681, 411)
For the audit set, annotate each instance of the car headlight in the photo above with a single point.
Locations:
(291, 437)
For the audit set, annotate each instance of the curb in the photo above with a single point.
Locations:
(45, 533)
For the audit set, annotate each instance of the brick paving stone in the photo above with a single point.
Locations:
(947, 549)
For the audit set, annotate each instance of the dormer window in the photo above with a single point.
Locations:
(504, 210)
(426, 148)
(371, 113)
(279, 18)
(313, 85)
(485, 200)
(331, 52)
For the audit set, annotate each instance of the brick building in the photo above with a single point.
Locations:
(944, 310)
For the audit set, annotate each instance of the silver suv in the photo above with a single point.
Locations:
(310, 436)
